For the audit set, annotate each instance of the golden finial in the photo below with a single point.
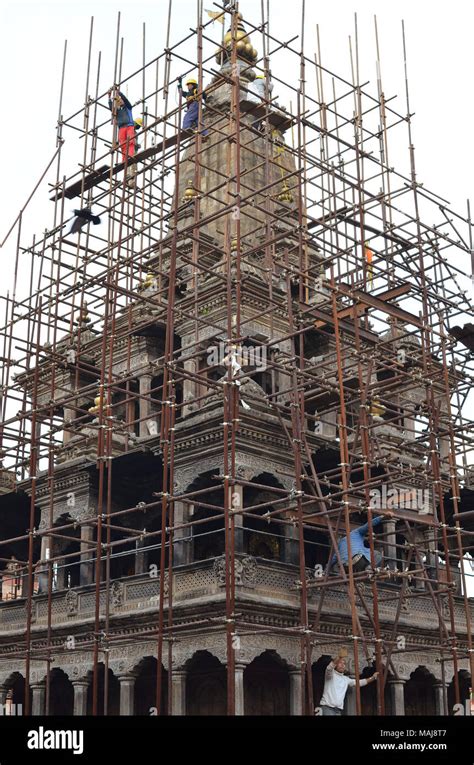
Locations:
(190, 193)
(285, 195)
(97, 405)
(377, 409)
(241, 40)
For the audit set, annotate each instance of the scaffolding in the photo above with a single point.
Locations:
(279, 238)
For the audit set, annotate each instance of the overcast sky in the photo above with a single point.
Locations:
(439, 38)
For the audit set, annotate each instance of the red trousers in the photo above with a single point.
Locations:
(126, 138)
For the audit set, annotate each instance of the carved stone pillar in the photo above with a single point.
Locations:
(144, 405)
(80, 697)
(140, 557)
(239, 689)
(178, 691)
(41, 570)
(236, 502)
(86, 569)
(390, 545)
(296, 707)
(60, 573)
(68, 416)
(39, 696)
(181, 537)
(291, 543)
(127, 689)
(430, 547)
(440, 701)
(397, 696)
(189, 387)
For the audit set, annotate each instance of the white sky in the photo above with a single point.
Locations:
(439, 38)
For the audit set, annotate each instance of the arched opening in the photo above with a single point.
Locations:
(206, 685)
(264, 536)
(267, 686)
(146, 685)
(420, 693)
(464, 680)
(368, 695)
(316, 547)
(15, 514)
(15, 698)
(208, 535)
(61, 693)
(113, 692)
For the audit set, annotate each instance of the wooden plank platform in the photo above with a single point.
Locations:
(279, 119)
(104, 173)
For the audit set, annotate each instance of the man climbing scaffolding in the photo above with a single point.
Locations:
(121, 109)
(192, 96)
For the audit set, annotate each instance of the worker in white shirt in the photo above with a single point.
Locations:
(257, 93)
(336, 684)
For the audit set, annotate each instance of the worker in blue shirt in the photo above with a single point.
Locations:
(192, 96)
(125, 123)
(359, 551)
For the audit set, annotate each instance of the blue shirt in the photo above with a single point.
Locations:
(357, 542)
(123, 113)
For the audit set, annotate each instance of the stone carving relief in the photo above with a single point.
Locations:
(245, 571)
(72, 602)
(116, 594)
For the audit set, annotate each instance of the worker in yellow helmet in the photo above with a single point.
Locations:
(192, 96)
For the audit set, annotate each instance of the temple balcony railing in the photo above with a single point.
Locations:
(259, 581)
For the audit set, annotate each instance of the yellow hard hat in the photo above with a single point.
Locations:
(139, 121)
(191, 81)
(260, 77)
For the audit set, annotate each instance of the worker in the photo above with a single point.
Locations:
(259, 86)
(257, 93)
(138, 125)
(121, 109)
(336, 684)
(359, 551)
(192, 96)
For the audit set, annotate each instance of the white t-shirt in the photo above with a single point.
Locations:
(335, 687)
